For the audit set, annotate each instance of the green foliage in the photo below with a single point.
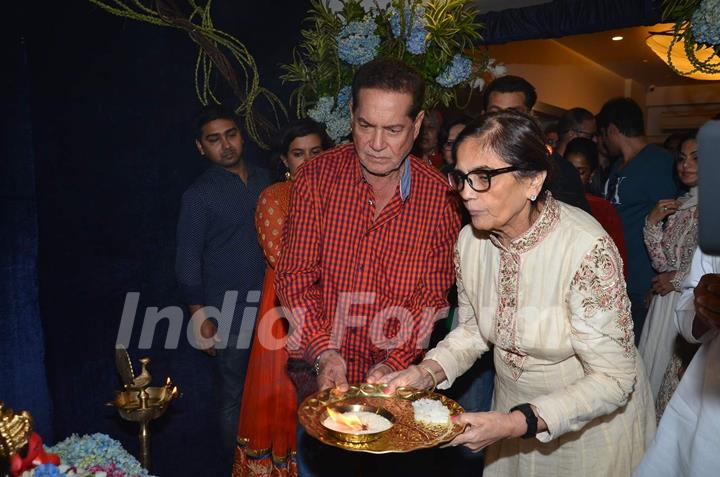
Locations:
(215, 51)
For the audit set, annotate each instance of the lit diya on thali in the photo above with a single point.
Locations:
(357, 423)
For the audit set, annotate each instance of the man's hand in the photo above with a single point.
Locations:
(377, 372)
(332, 371)
(707, 300)
(206, 333)
(415, 376)
(662, 283)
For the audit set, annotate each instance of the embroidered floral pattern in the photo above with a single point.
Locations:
(546, 223)
(599, 280)
(508, 281)
(505, 322)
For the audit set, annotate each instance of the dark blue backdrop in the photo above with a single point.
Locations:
(100, 150)
(96, 152)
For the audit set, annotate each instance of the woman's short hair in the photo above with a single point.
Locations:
(296, 129)
(586, 148)
(517, 138)
(291, 131)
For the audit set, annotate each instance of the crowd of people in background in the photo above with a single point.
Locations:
(582, 221)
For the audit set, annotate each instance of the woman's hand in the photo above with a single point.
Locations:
(663, 208)
(662, 283)
(416, 376)
(485, 428)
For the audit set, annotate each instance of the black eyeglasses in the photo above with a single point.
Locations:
(477, 179)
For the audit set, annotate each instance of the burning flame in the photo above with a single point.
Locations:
(349, 420)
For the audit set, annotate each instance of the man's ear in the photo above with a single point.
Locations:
(417, 124)
(199, 147)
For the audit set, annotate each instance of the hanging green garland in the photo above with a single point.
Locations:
(211, 59)
(697, 26)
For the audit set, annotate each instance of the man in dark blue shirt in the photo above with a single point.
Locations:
(517, 94)
(219, 263)
(636, 183)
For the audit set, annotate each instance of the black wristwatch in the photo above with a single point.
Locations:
(530, 418)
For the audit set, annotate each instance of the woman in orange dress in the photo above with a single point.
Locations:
(268, 413)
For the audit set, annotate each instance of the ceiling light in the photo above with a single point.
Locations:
(660, 45)
(617, 38)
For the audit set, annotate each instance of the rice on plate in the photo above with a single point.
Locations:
(431, 411)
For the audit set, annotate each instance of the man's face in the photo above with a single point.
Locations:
(609, 141)
(382, 131)
(586, 130)
(498, 101)
(221, 142)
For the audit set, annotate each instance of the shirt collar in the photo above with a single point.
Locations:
(252, 171)
(405, 180)
(405, 177)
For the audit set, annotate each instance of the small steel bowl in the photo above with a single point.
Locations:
(358, 438)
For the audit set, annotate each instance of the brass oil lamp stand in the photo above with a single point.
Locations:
(138, 401)
(15, 429)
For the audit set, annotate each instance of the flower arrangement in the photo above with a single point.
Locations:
(697, 25)
(96, 455)
(436, 37)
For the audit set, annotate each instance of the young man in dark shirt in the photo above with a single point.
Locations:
(219, 263)
(517, 94)
(642, 177)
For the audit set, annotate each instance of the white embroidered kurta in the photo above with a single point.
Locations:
(671, 248)
(554, 304)
(688, 438)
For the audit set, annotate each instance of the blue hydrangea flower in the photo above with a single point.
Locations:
(416, 41)
(706, 22)
(357, 42)
(334, 114)
(322, 109)
(97, 450)
(47, 470)
(344, 97)
(456, 72)
(415, 32)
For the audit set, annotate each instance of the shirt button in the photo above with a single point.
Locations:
(371, 202)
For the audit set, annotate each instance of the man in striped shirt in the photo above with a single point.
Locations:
(367, 247)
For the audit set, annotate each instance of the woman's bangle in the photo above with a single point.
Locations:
(432, 375)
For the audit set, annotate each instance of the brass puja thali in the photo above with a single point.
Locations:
(405, 434)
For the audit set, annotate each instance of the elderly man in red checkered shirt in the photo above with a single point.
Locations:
(368, 242)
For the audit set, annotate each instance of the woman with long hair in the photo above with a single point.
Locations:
(268, 414)
(671, 234)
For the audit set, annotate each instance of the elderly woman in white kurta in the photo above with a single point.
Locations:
(543, 282)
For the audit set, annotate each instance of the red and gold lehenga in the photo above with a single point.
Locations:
(268, 413)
